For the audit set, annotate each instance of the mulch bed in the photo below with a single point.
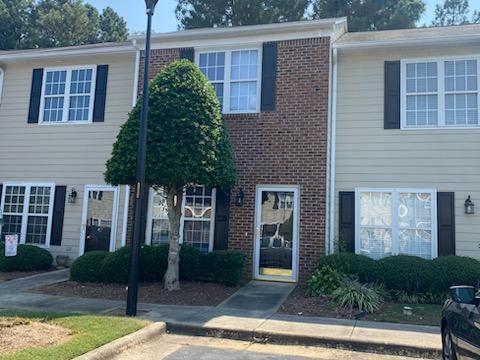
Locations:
(298, 304)
(6, 276)
(190, 293)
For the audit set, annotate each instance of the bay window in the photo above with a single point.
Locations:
(396, 221)
(235, 76)
(440, 93)
(27, 212)
(196, 224)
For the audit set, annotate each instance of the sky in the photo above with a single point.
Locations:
(164, 20)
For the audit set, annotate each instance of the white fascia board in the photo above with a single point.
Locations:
(453, 40)
(66, 53)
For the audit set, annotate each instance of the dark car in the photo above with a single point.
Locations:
(461, 324)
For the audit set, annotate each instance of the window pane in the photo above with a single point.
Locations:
(36, 229)
(243, 96)
(53, 109)
(375, 243)
(12, 225)
(415, 242)
(461, 109)
(375, 209)
(14, 199)
(213, 66)
(160, 223)
(415, 210)
(422, 77)
(422, 110)
(244, 65)
(39, 200)
(198, 217)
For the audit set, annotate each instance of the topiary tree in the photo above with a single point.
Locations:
(187, 145)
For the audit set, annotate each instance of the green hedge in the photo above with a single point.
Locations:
(408, 274)
(223, 267)
(86, 268)
(29, 258)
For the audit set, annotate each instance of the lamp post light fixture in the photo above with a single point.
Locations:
(469, 206)
(133, 276)
(240, 198)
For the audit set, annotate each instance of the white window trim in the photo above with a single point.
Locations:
(28, 186)
(228, 67)
(2, 81)
(148, 233)
(113, 234)
(440, 92)
(66, 102)
(394, 227)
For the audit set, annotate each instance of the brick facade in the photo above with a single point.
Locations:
(287, 146)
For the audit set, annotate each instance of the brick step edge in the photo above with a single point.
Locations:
(267, 337)
(112, 349)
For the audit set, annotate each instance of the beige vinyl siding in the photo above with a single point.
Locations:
(369, 156)
(73, 155)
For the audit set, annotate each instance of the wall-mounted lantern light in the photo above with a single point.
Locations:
(72, 197)
(469, 206)
(240, 198)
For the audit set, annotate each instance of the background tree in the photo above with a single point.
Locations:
(365, 15)
(15, 23)
(187, 144)
(454, 12)
(208, 13)
(51, 23)
(112, 26)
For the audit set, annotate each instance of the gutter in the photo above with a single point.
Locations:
(456, 39)
(60, 53)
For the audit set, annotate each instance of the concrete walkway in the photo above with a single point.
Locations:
(250, 315)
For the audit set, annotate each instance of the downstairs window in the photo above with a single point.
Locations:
(396, 221)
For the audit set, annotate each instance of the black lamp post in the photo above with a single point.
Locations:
(140, 186)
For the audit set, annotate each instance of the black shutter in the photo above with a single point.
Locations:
(346, 228)
(269, 76)
(58, 215)
(446, 223)
(392, 95)
(35, 96)
(188, 54)
(100, 93)
(222, 215)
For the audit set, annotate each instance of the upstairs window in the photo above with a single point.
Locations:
(68, 95)
(440, 93)
(235, 76)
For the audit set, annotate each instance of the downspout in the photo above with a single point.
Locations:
(330, 233)
(134, 101)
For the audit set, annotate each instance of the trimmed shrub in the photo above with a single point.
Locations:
(361, 266)
(223, 267)
(29, 258)
(411, 274)
(189, 263)
(86, 267)
(454, 270)
(153, 263)
(116, 265)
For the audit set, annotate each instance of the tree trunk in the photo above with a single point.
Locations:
(174, 207)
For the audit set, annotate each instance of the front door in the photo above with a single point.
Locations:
(99, 219)
(276, 233)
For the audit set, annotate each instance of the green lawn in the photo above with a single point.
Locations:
(89, 332)
(423, 314)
